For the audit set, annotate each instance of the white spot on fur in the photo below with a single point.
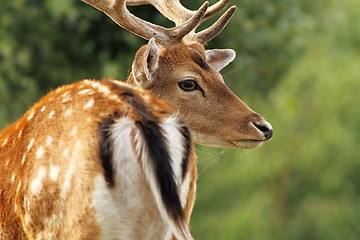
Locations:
(114, 97)
(18, 187)
(65, 94)
(43, 109)
(46, 221)
(4, 142)
(31, 115)
(20, 133)
(89, 104)
(73, 131)
(51, 114)
(13, 178)
(103, 115)
(57, 219)
(39, 236)
(40, 152)
(54, 173)
(30, 144)
(27, 219)
(89, 119)
(52, 221)
(66, 152)
(68, 113)
(49, 140)
(23, 159)
(36, 184)
(84, 91)
(146, 98)
(26, 204)
(65, 100)
(99, 86)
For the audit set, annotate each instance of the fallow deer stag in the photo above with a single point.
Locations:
(109, 160)
(175, 66)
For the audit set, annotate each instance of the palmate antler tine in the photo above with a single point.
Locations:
(118, 12)
(186, 27)
(215, 8)
(176, 12)
(209, 33)
(171, 9)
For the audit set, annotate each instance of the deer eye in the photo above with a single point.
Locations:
(188, 85)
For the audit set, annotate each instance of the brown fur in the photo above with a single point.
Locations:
(25, 215)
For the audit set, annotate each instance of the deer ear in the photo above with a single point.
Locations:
(145, 64)
(219, 58)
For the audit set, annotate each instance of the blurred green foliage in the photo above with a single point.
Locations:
(297, 64)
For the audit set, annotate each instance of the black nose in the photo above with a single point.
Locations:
(266, 129)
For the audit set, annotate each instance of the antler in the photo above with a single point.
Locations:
(186, 21)
(176, 12)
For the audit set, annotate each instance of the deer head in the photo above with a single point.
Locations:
(175, 66)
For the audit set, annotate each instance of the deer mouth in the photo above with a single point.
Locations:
(242, 143)
(248, 143)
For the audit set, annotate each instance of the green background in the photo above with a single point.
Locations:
(298, 64)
